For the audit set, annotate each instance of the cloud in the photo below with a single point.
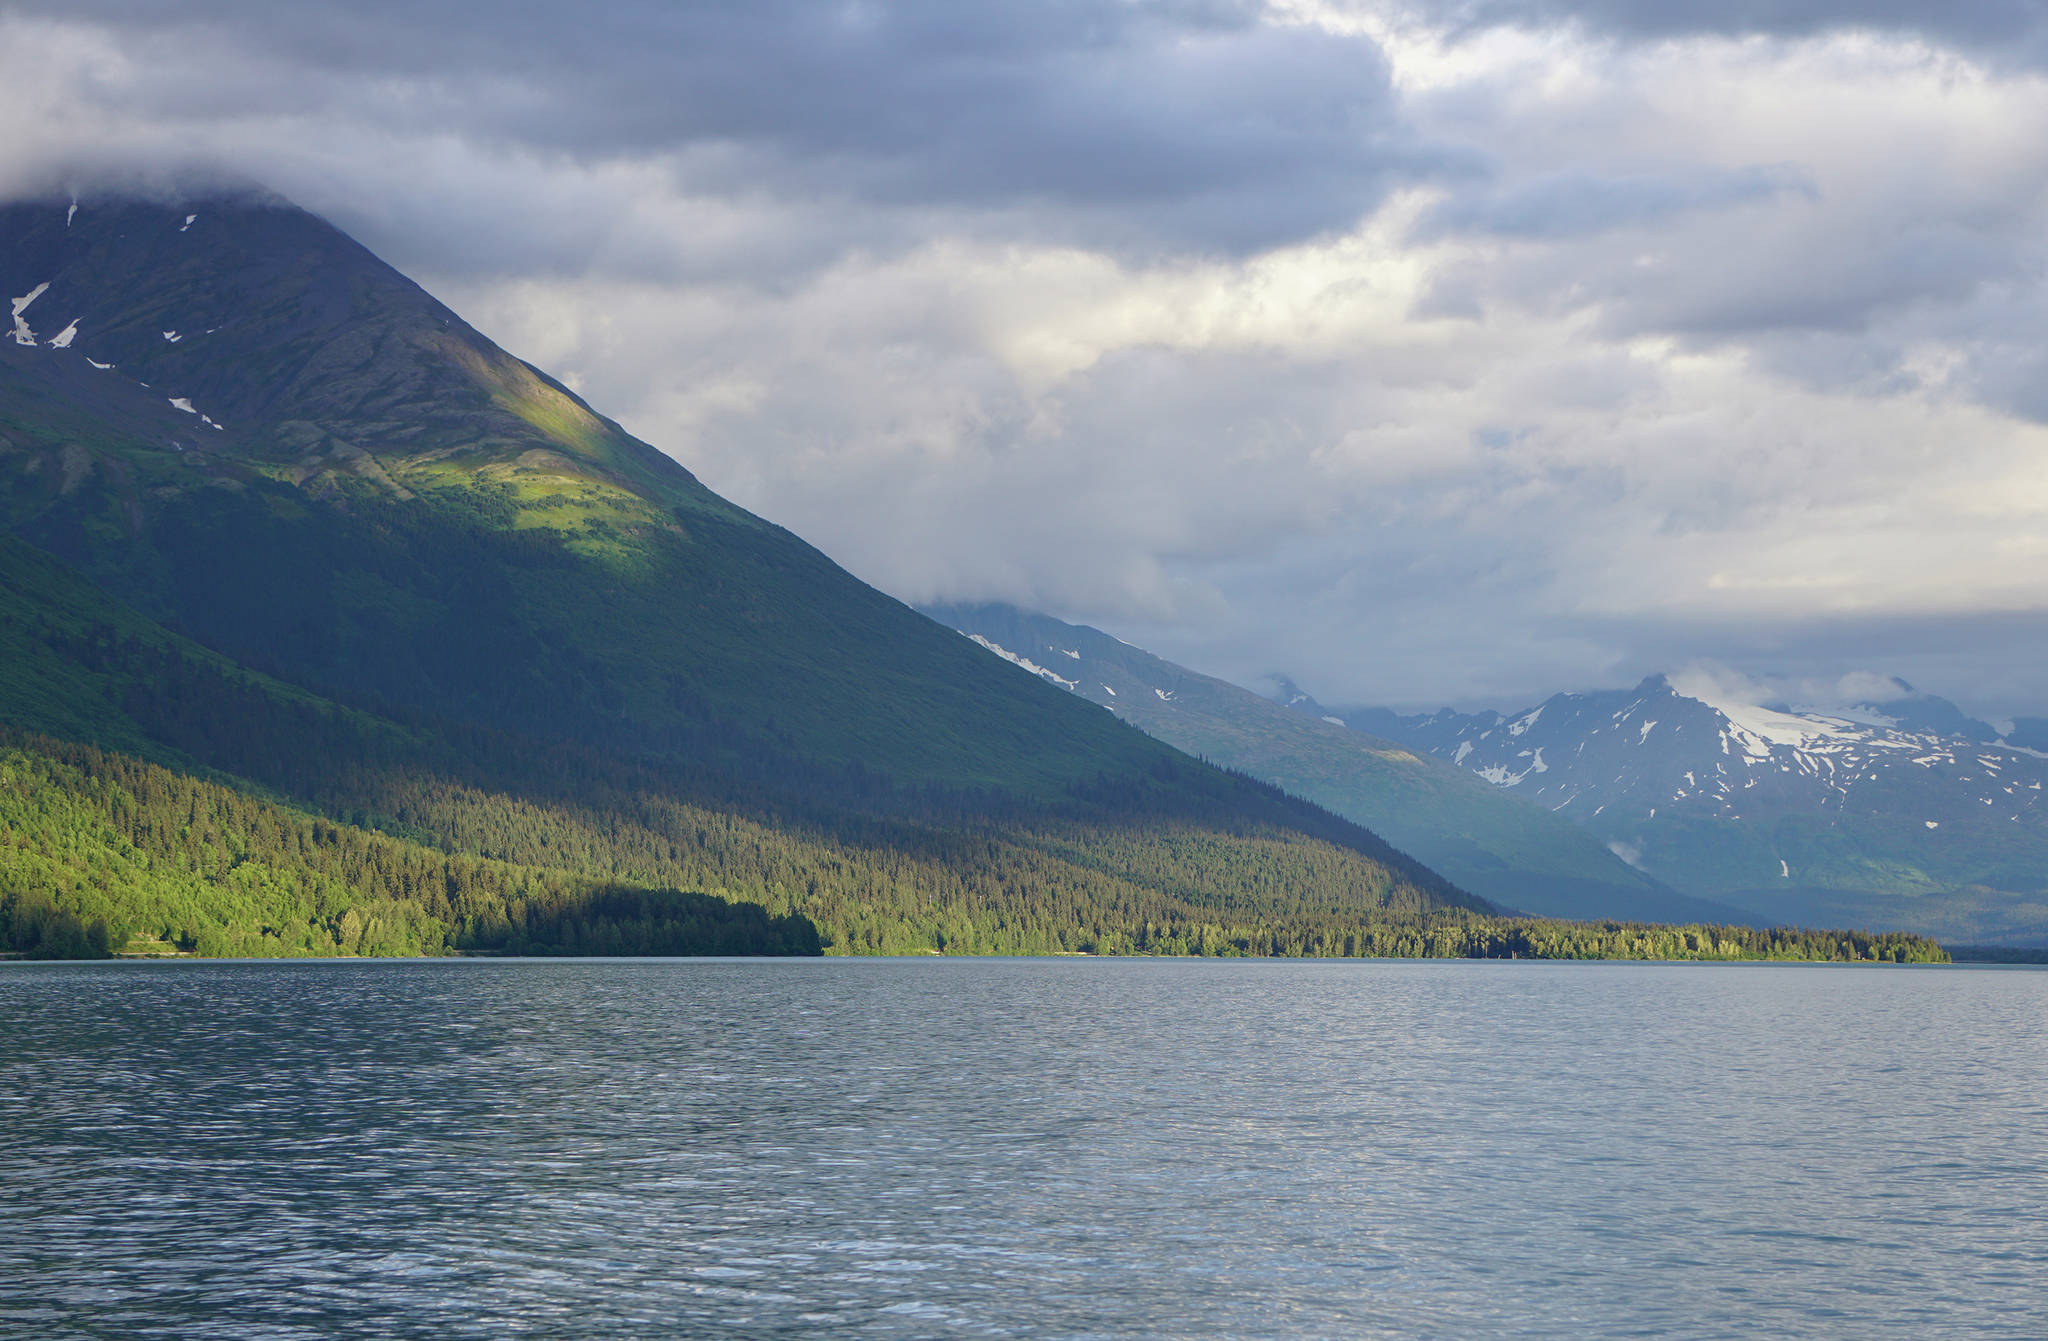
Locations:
(1577, 203)
(1996, 27)
(1864, 687)
(1852, 694)
(1632, 853)
(1429, 354)
(1183, 126)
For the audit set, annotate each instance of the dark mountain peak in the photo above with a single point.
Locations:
(270, 338)
(988, 609)
(1288, 694)
(1929, 714)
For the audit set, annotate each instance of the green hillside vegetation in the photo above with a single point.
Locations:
(100, 852)
(870, 865)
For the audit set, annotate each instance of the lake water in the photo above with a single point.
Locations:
(1022, 1148)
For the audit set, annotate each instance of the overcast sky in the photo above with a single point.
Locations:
(1429, 353)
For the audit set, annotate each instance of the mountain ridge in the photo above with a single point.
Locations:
(1515, 855)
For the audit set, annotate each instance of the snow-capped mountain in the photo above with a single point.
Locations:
(1772, 807)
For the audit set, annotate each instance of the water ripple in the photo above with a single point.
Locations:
(1021, 1149)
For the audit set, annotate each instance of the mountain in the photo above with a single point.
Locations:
(415, 625)
(1507, 850)
(1904, 812)
(2029, 733)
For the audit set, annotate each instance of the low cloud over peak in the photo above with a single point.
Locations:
(1991, 27)
(1192, 126)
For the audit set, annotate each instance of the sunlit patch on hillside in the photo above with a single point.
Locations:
(514, 388)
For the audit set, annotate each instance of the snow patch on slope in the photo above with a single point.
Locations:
(1026, 662)
(1757, 728)
(1500, 775)
(22, 334)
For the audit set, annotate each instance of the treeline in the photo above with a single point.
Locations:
(98, 851)
(200, 864)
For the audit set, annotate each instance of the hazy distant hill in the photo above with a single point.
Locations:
(1905, 812)
(1510, 851)
(285, 528)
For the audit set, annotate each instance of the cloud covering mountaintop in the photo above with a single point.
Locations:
(1430, 353)
(1979, 26)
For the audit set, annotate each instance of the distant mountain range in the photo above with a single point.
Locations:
(1662, 802)
(1902, 810)
(1504, 847)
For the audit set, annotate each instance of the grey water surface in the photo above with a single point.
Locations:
(1021, 1148)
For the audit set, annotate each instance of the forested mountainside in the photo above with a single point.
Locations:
(289, 545)
(1505, 849)
(1902, 812)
